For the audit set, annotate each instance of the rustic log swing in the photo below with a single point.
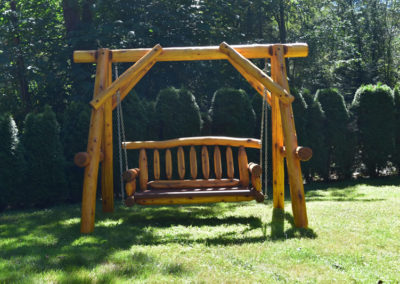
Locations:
(274, 89)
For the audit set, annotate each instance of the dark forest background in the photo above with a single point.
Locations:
(347, 107)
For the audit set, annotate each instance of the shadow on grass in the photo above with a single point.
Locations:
(49, 240)
(278, 231)
(346, 190)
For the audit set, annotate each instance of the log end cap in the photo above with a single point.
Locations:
(304, 153)
(81, 159)
(130, 175)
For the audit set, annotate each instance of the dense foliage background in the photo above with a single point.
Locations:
(44, 95)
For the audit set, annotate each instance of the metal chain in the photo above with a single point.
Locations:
(264, 132)
(121, 129)
(261, 136)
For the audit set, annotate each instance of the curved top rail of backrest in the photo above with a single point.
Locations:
(195, 141)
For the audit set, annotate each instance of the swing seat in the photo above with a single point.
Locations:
(188, 189)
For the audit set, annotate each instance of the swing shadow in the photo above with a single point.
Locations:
(50, 239)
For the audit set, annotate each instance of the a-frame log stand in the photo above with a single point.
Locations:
(275, 90)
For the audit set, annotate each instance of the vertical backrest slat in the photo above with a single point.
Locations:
(143, 174)
(181, 163)
(230, 170)
(168, 164)
(243, 167)
(193, 162)
(205, 162)
(156, 164)
(217, 163)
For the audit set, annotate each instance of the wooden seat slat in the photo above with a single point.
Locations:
(189, 183)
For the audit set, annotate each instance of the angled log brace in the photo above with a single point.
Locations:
(124, 81)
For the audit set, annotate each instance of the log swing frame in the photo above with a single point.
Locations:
(274, 89)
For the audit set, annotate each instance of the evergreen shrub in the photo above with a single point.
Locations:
(45, 183)
(178, 114)
(339, 138)
(373, 106)
(232, 114)
(396, 155)
(74, 137)
(11, 164)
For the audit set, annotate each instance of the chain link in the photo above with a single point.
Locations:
(264, 133)
(121, 130)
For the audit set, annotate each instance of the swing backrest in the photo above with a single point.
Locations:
(157, 159)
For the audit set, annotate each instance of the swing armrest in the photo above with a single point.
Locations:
(255, 171)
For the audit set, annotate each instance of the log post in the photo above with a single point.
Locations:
(290, 139)
(93, 148)
(107, 179)
(278, 166)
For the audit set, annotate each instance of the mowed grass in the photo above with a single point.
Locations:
(354, 236)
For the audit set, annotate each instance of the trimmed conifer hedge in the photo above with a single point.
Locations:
(373, 106)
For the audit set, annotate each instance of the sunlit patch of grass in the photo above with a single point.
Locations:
(353, 237)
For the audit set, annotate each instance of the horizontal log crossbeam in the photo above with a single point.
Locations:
(193, 53)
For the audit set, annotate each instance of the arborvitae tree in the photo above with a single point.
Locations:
(135, 118)
(74, 136)
(136, 127)
(178, 114)
(231, 113)
(152, 129)
(46, 184)
(315, 125)
(254, 156)
(11, 163)
(338, 137)
(206, 123)
(167, 111)
(299, 111)
(256, 103)
(396, 156)
(189, 114)
(373, 106)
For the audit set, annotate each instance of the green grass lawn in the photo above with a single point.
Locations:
(354, 236)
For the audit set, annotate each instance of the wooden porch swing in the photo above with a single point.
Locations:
(274, 90)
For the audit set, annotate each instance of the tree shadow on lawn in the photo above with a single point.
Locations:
(50, 239)
(346, 190)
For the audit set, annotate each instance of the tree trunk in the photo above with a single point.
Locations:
(20, 64)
